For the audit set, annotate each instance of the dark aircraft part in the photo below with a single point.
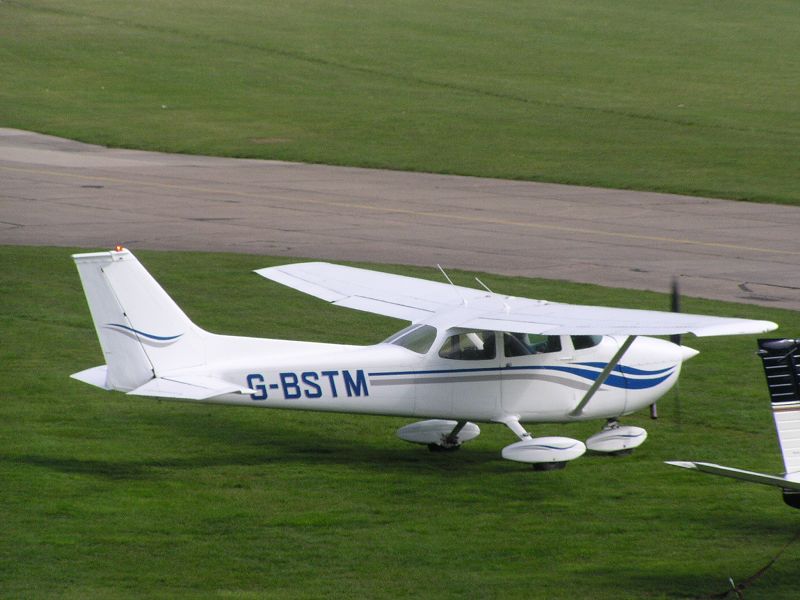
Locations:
(792, 498)
(675, 306)
(550, 466)
(440, 448)
(781, 360)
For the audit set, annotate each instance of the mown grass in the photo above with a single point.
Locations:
(689, 97)
(104, 495)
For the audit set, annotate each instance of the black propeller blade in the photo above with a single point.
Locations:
(675, 306)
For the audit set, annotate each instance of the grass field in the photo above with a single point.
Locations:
(688, 97)
(104, 495)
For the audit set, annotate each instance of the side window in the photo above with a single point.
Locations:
(581, 342)
(473, 345)
(522, 344)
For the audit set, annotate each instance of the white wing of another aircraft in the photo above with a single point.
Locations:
(781, 360)
(712, 469)
(419, 300)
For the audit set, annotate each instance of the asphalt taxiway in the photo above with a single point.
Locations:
(58, 192)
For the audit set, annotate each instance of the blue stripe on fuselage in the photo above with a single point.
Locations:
(619, 381)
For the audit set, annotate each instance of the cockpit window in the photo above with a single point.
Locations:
(522, 344)
(581, 342)
(417, 338)
(472, 345)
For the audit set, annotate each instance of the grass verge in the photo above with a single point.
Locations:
(683, 96)
(119, 497)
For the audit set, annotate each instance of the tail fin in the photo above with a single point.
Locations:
(142, 332)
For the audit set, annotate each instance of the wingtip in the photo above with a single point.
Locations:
(736, 327)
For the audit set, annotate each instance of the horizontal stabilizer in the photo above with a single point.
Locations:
(773, 480)
(189, 387)
(96, 376)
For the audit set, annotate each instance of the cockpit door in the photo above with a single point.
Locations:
(461, 379)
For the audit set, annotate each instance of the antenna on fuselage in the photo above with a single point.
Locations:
(486, 287)
(450, 281)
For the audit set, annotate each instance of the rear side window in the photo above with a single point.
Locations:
(522, 344)
(581, 342)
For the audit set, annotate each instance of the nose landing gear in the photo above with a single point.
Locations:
(616, 440)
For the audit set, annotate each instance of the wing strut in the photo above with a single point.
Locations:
(603, 376)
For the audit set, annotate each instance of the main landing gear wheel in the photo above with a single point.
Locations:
(549, 466)
(620, 453)
(439, 435)
(440, 448)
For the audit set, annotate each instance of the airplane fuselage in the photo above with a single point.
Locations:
(386, 379)
(468, 355)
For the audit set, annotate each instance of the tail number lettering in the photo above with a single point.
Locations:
(311, 384)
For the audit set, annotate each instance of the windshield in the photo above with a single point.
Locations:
(417, 338)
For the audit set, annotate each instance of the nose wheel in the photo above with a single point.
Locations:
(544, 453)
(616, 440)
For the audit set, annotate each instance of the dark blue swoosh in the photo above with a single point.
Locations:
(158, 338)
(624, 369)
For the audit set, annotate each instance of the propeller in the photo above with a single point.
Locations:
(675, 306)
(676, 339)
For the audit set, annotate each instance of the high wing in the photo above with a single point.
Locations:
(420, 300)
(407, 298)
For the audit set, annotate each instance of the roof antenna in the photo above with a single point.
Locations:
(450, 281)
(484, 286)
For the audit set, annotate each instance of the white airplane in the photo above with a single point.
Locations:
(469, 355)
(781, 358)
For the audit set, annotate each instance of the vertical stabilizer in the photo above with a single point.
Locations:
(142, 332)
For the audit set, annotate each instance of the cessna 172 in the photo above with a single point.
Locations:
(468, 355)
(781, 360)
